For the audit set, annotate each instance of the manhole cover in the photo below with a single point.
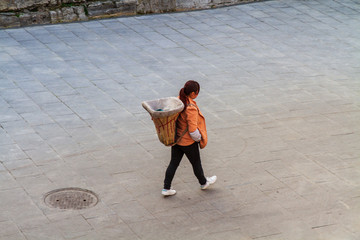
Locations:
(71, 198)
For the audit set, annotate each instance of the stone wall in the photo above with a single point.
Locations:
(18, 13)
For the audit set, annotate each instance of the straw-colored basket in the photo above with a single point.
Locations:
(164, 113)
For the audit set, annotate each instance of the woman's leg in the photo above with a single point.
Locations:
(176, 156)
(193, 154)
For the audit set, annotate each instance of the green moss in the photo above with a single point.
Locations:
(67, 4)
(86, 10)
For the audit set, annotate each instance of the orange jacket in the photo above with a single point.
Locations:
(193, 119)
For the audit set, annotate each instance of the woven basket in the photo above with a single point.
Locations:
(164, 113)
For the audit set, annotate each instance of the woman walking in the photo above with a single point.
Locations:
(191, 129)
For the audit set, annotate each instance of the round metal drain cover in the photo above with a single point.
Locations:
(71, 198)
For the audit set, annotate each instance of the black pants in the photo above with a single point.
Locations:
(193, 154)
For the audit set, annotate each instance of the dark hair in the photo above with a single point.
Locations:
(189, 87)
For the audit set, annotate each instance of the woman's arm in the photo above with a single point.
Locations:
(192, 121)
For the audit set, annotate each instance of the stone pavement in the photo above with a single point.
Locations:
(280, 89)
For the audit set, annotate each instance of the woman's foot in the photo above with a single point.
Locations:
(209, 181)
(168, 192)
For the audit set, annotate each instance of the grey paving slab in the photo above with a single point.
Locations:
(280, 93)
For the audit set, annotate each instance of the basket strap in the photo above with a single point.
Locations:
(190, 104)
(182, 134)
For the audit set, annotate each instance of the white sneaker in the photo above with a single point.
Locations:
(168, 192)
(209, 181)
